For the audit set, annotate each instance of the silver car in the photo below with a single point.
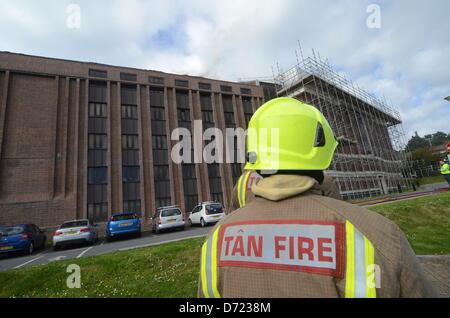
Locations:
(75, 232)
(169, 217)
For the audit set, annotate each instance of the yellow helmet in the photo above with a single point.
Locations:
(286, 134)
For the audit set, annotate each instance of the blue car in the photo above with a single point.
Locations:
(123, 223)
(21, 237)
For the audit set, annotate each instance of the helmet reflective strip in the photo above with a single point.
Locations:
(359, 269)
(208, 266)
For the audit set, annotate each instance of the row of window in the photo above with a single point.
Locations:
(98, 176)
(159, 145)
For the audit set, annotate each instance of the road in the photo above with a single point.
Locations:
(47, 255)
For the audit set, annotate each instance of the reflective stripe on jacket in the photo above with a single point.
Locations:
(445, 169)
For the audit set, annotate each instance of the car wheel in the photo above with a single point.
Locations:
(30, 248)
(190, 222)
(56, 248)
(139, 234)
(202, 222)
(182, 228)
(108, 238)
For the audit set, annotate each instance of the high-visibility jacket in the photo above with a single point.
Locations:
(445, 169)
(242, 191)
(290, 242)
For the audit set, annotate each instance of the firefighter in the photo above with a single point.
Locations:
(242, 193)
(445, 171)
(289, 241)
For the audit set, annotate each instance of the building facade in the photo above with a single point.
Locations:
(87, 140)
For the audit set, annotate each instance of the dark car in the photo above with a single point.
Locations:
(21, 237)
(123, 223)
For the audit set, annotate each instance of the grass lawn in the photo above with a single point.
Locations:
(425, 221)
(169, 270)
(431, 180)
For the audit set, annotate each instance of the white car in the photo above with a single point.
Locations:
(169, 217)
(206, 212)
(75, 232)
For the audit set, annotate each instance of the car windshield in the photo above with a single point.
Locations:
(214, 208)
(11, 230)
(171, 212)
(123, 217)
(74, 224)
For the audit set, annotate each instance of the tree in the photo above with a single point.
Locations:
(438, 138)
(416, 142)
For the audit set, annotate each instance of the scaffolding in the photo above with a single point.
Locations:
(370, 159)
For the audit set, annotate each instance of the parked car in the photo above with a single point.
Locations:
(206, 212)
(123, 223)
(21, 237)
(169, 217)
(75, 232)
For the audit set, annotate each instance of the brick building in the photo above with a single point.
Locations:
(84, 140)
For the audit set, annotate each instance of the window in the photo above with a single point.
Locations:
(182, 98)
(97, 212)
(184, 115)
(235, 171)
(157, 113)
(159, 145)
(130, 174)
(97, 141)
(156, 80)
(98, 73)
(225, 88)
(97, 92)
(170, 212)
(206, 86)
(98, 175)
(181, 83)
(130, 142)
(248, 110)
(97, 110)
(246, 91)
(132, 206)
(207, 116)
(129, 111)
(159, 142)
(156, 97)
(205, 101)
(227, 102)
(74, 224)
(161, 172)
(128, 77)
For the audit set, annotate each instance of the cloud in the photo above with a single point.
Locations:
(406, 59)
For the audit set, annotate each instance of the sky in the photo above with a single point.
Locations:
(397, 49)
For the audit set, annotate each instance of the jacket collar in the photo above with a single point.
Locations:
(282, 186)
